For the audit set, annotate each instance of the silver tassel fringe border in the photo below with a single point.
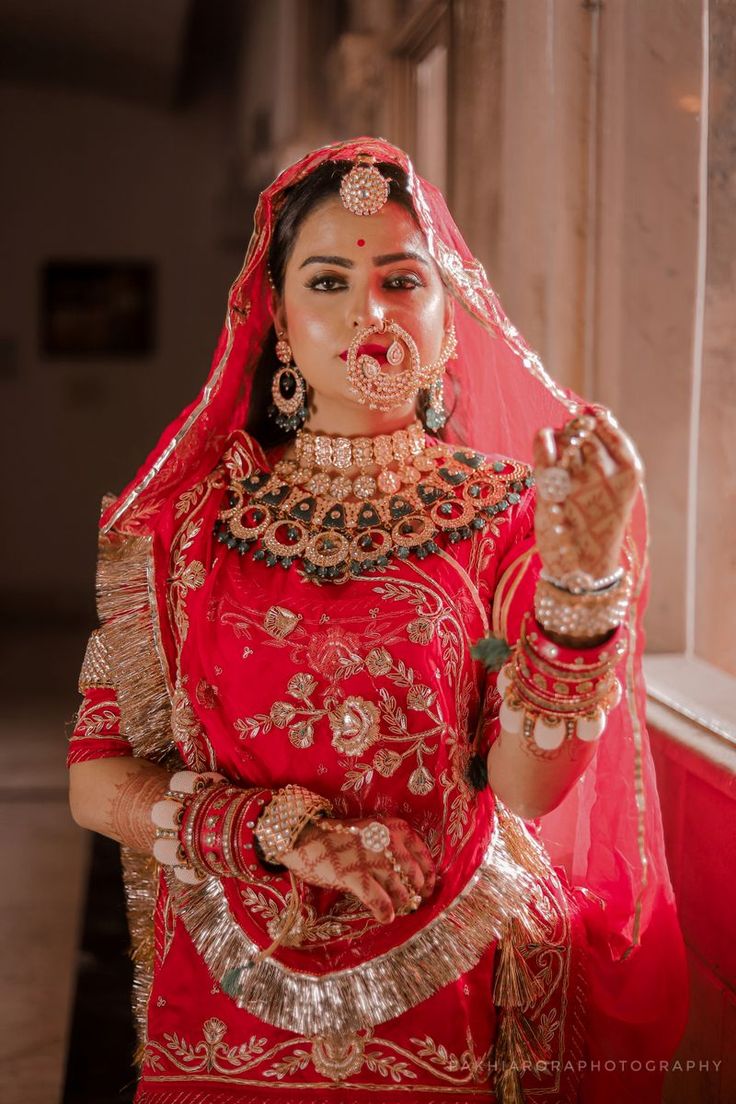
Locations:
(383, 987)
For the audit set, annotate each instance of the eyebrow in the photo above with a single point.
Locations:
(390, 258)
(344, 262)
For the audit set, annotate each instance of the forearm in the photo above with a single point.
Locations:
(115, 796)
(531, 786)
(556, 697)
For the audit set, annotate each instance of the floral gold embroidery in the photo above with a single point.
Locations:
(354, 725)
(386, 762)
(378, 661)
(475, 1067)
(97, 720)
(211, 1054)
(188, 732)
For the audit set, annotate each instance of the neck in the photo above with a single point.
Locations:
(338, 418)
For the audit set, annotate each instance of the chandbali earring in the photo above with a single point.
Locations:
(288, 390)
(436, 413)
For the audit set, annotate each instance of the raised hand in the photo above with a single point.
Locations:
(391, 879)
(588, 474)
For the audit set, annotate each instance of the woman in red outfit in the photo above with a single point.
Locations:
(364, 710)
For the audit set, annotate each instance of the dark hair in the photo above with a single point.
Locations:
(295, 204)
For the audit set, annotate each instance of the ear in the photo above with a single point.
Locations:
(277, 312)
(449, 310)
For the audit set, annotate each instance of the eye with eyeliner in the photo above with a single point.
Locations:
(401, 281)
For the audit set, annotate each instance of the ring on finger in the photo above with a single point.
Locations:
(411, 905)
(554, 484)
(582, 426)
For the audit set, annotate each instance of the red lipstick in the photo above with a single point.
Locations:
(369, 349)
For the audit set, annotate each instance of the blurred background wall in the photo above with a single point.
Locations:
(588, 151)
(573, 142)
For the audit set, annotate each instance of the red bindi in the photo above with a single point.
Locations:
(360, 241)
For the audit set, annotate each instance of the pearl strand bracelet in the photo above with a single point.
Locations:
(586, 614)
(580, 582)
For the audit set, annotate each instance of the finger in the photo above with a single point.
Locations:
(398, 890)
(410, 868)
(568, 449)
(545, 448)
(618, 443)
(418, 849)
(373, 895)
(595, 454)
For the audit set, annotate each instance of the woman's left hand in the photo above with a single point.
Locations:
(588, 474)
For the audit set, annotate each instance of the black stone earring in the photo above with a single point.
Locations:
(288, 390)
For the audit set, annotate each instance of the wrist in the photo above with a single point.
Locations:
(552, 693)
(578, 643)
(290, 810)
(205, 825)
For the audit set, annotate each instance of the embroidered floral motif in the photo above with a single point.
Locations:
(336, 1056)
(308, 928)
(206, 695)
(98, 719)
(354, 725)
(279, 622)
(211, 1054)
(188, 732)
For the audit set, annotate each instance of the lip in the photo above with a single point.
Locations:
(369, 349)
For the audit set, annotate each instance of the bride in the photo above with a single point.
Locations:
(365, 706)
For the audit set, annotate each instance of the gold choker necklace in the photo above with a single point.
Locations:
(327, 451)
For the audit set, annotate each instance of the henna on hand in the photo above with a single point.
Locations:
(339, 860)
(129, 815)
(586, 531)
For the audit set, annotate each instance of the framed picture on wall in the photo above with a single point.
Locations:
(97, 308)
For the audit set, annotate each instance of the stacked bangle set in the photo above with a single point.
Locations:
(551, 693)
(205, 825)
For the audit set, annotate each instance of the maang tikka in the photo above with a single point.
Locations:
(364, 190)
(288, 390)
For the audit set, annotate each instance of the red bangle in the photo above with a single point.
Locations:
(216, 831)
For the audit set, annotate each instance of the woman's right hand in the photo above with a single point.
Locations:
(340, 860)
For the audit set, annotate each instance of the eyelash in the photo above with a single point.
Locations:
(411, 282)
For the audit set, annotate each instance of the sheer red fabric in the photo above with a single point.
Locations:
(607, 835)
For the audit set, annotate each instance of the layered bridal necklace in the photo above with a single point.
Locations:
(343, 506)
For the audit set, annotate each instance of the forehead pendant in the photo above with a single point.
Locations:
(364, 190)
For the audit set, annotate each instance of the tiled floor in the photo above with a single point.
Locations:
(43, 858)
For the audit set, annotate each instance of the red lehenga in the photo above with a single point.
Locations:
(548, 965)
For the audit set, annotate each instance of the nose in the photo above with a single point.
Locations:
(364, 322)
(368, 311)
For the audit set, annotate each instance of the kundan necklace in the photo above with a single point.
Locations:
(404, 493)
